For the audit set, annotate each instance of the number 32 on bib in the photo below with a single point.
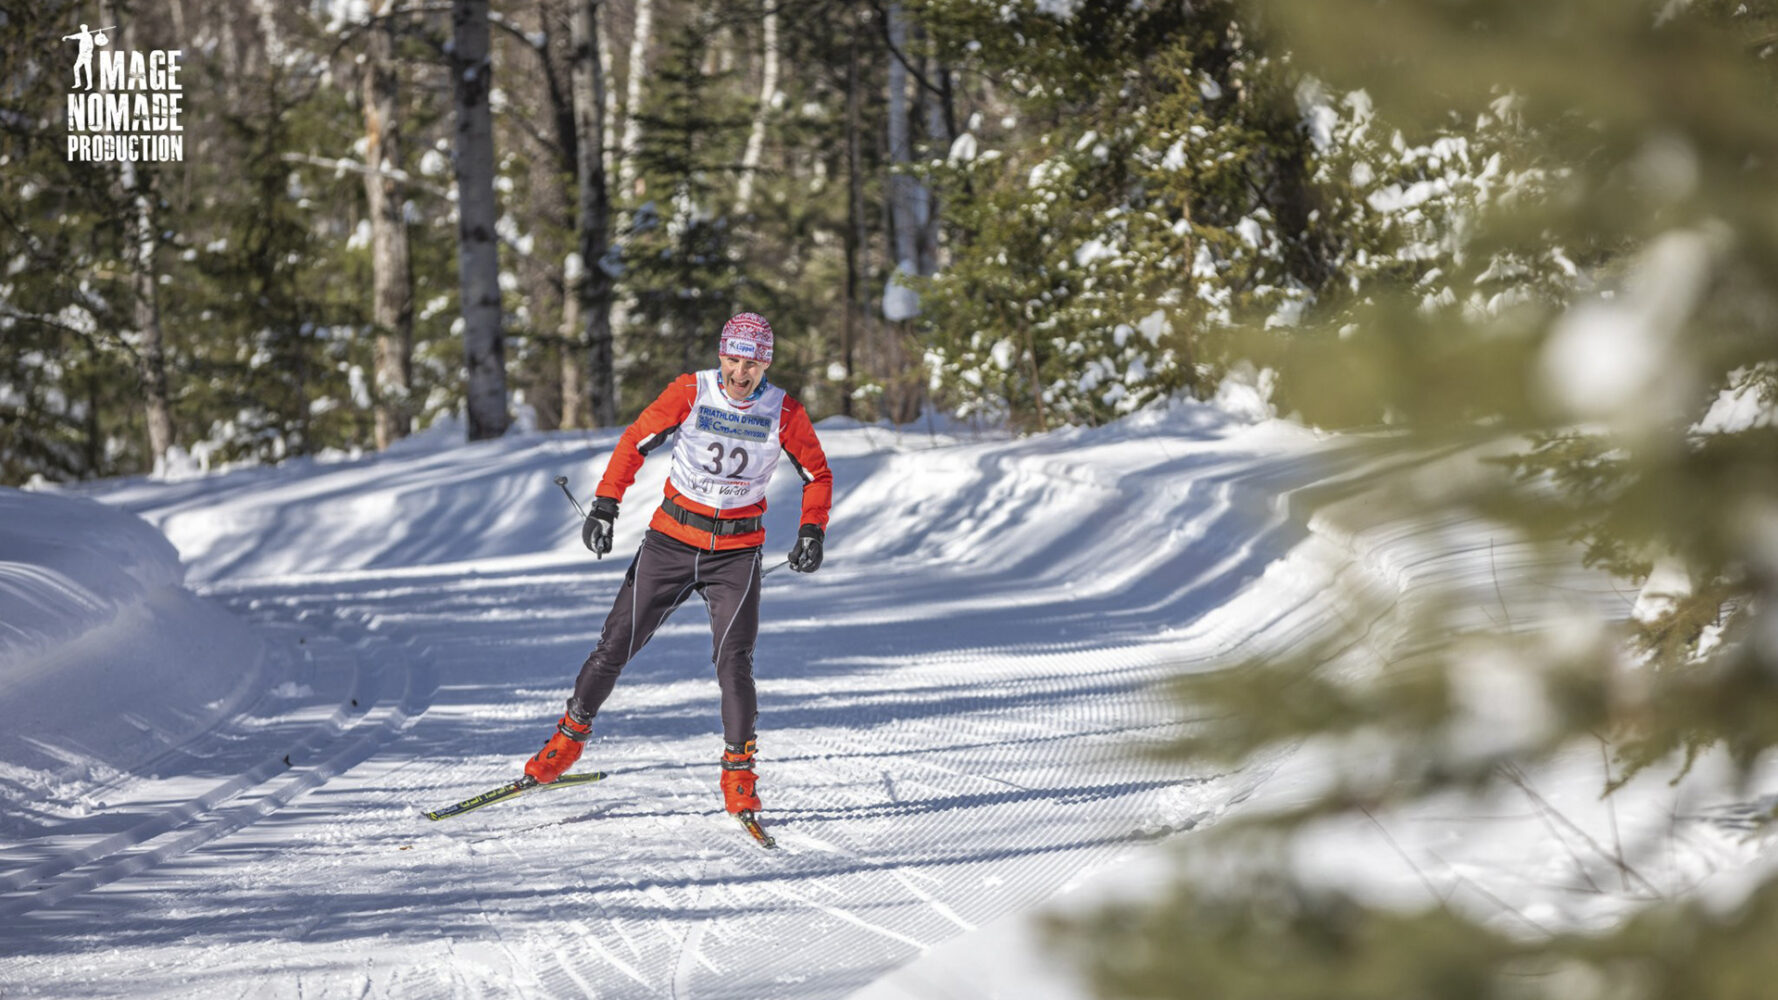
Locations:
(727, 452)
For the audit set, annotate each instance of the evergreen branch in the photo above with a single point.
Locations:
(1513, 775)
(1494, 572)
(549, 145)
(392, 173)
(96, 341)
(720, 21)
(519, 251)
(1482, 891)
(24, 235)
(351, 31)
(1395, 845)
(499, 20)
(1617, 840)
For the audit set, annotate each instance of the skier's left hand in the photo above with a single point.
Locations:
(805, 556)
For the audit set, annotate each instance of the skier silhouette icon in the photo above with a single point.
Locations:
(84, 60)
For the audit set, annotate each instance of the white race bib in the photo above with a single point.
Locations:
(725, 452)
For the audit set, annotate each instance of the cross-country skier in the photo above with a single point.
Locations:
(705, 538)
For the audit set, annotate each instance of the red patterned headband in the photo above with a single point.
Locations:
(747, 335)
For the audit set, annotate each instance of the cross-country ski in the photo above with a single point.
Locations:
(512, 789)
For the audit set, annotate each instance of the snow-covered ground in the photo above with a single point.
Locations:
(217, 791)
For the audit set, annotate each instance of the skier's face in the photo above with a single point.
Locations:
(741, 376)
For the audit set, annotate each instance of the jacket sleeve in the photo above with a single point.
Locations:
(655, 424)
(797, 435)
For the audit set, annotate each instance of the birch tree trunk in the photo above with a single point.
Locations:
(593, 220)
(146, 318)
(612, 122)
(392, 280)
(768, 90)
(639, 40)
(478, 263)
(904, 192)
(151, 358)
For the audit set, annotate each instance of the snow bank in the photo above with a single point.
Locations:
(105, 658)
(427, 501)
(1539, 854)
(67, 566)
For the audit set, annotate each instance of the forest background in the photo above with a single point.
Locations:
(1034, 214)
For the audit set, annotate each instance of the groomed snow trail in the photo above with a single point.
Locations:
(953, 714)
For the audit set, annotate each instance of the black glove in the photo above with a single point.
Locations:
(596, 532)
(805, 556)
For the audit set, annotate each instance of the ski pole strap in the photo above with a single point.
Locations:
(714, 525)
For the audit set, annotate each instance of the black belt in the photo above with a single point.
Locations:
(714, 525)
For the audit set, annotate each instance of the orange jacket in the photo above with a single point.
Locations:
(663, 417)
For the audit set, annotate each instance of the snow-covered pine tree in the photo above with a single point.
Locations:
(1143, 179)
(1608, 304)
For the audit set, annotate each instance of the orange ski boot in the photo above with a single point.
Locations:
(739, 783)
(563, 748)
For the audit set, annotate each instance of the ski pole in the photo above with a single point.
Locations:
(562, 481)
(780, 566)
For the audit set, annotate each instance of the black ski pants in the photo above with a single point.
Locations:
(664, 573)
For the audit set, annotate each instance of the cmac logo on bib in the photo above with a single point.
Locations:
(741, 425)
(134, 111)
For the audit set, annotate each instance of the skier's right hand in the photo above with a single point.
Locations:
(596, 532)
